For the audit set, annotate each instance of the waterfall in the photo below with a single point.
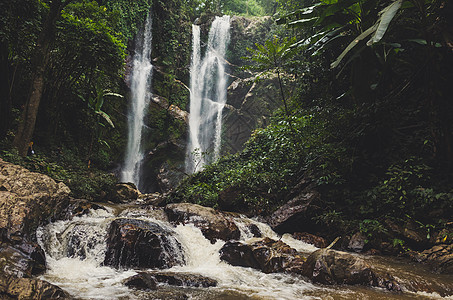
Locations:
(208, 84)
(140, 83)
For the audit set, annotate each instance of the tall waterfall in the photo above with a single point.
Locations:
(208, 85)
(140, 83)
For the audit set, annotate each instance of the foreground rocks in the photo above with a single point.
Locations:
(336, 267)
(312, 239)
(149, 280)
(439, 258)
(27, 199)
(140, 244)
(214, 224)
(267, 255)
(28, 288)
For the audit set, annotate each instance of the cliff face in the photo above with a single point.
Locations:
(249, 103)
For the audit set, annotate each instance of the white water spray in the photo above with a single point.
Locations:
(208, 85)
(140, 83)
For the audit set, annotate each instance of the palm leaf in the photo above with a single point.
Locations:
(386, 16)
(353, 44)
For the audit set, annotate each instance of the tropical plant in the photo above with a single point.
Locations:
(271, 57)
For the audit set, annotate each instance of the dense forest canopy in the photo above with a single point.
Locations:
(365, 91)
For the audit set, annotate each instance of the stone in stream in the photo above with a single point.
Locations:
(29, 288)
(267, 255)
(141, 244)
(214, 224)
(311, 239)
(336, 267)
(149, 280)
(124, 192)
(22, 260)
(439, 258)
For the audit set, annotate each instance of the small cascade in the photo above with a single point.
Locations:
(208, 85)
(76, 250)
(140, 84)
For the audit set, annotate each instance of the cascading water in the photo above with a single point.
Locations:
(140, 83)
(75, 250)
(208, 84)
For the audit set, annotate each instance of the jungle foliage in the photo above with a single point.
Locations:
(376, 136)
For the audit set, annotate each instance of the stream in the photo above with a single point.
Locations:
(75, 251)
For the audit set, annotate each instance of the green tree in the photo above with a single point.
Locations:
(271, 57)
(41, 60)
(76, 46)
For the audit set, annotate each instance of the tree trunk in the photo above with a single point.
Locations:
(41, 59)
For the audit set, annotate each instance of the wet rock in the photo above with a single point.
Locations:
(357, 242)
(336, 267)
(154, 199)
(267, 255)
(255, 230)
(312, 239)
(22, 260)
(77, 208)
(409, 231)
(141, 281)
(149, 279)
(214, 224)
(27, 199)
(28, 288)
(439, 257)
(124, 193)
(141, 244)
(296, 215)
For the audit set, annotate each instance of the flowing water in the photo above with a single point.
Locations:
(208, 85)
(140, 95)
(75, 251)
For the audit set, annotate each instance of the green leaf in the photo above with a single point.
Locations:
(386, 16)
(106, 117)
(353, 44)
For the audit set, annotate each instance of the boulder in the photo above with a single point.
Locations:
(267, 255)
(414, 236)
(439, 257)
(141, 281)
(27, 199)
(312, 239)
(149, 280)
(336, 267)
(214, 224)
(28, 288)
(22, 260)
(357, 242)
(125, 192)
(141, 244)
(296, 215)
